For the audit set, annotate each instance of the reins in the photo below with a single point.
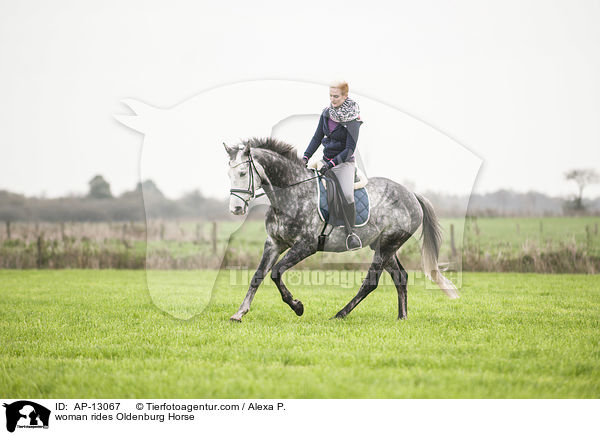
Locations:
(250, 190)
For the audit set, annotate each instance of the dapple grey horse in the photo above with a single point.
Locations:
(292, 221)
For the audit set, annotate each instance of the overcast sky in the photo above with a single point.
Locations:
(516, 82)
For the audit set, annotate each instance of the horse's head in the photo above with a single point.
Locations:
(244, 178)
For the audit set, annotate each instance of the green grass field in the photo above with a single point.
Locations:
(97, 334)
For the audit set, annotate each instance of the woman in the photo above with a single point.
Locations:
(338, 132)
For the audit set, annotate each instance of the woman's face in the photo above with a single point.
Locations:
(336, 97)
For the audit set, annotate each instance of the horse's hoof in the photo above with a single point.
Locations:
(298, 307)
(236, 318)
(337, 317)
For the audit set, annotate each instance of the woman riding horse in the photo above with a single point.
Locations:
(338, 132)
(292, 223)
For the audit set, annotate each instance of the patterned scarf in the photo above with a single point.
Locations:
(348, 111)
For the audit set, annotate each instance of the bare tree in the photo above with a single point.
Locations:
(583, 178)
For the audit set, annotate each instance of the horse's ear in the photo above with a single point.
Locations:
(246, 150)
(232, 151)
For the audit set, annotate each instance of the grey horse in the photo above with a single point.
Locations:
(292, 222)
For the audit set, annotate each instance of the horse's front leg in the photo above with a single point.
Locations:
(271, 253)
(295, 255)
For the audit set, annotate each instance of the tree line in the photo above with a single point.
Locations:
(100, 205)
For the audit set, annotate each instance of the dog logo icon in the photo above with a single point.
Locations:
(26, 414)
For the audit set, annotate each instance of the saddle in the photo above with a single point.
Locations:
(330, 209)
(327, 198)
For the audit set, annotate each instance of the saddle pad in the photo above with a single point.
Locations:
(361, 202)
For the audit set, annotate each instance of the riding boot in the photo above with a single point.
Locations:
(353, 242)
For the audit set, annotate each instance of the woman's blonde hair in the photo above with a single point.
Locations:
(342, 86)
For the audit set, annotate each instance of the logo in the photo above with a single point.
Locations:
(26, 414)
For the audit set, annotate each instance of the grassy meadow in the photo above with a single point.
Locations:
(98, 334)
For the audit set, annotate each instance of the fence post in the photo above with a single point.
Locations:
(198, 232)
(40, 245)
(588, 237)
(124, 234)
(214, 237)
(8, 230)
(452, 245)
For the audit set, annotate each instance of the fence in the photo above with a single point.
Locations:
(482, 245)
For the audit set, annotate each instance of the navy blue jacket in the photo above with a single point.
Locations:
(339, 144)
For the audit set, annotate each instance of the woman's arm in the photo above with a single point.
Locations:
(316, 140)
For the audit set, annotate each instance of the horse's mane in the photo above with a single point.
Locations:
(284, 149)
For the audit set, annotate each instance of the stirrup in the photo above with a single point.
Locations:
(357, 238)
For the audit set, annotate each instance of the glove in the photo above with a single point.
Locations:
(326, 167)
(305, 161)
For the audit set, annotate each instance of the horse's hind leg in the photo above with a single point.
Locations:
(295, 255)
(370, 282)
(400, 278)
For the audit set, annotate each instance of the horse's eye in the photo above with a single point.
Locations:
(243, 174)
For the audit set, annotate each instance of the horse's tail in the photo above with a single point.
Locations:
(432, 240)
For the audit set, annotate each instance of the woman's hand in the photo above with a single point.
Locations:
(326, 167)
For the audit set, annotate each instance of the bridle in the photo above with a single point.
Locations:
(251, 191)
